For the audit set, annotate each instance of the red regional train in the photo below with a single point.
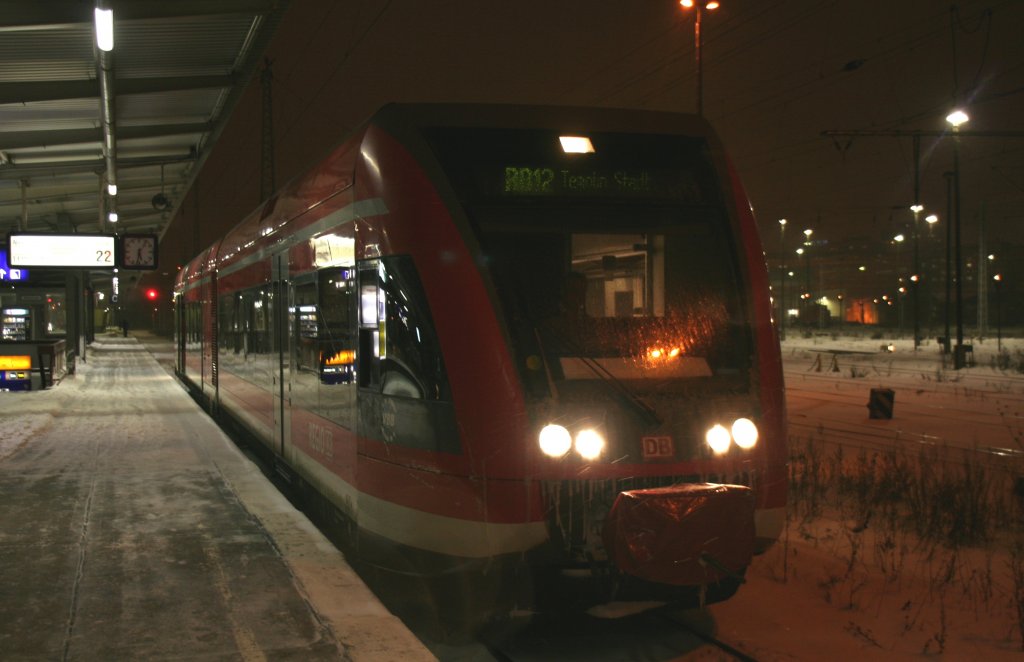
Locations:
(527, 350)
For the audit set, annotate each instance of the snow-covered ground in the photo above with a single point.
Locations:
(851, 581)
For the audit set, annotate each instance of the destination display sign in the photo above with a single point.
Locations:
(533, 165)
(84, 251)
(581, 181)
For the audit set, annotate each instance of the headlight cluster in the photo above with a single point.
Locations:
(743, 432)
(556, 440)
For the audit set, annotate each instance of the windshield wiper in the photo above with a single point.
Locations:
(646, 412)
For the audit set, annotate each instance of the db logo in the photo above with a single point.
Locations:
(657, 447)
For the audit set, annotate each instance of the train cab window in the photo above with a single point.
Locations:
(398, 347)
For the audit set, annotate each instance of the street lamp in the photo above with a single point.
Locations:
(782, 280)
(806, 296)
(955, 119)
(699, 6)
(997, 282)
(917, 208)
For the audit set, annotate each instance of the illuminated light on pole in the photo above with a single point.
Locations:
(997, 282)
(782, 279)
(917, 208)
(699, 6)
(955, 119)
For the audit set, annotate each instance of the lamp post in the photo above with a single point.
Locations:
(782, 279)
(807, 260)
(699, 6)
(955, 119)
(997, 282)
(948, 176)
(915, 278)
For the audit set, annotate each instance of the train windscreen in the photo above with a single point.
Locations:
(612, 264)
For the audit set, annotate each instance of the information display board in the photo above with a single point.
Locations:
(84, 251)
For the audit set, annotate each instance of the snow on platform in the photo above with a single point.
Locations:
(133, 528)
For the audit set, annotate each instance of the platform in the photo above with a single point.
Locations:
(132, 528)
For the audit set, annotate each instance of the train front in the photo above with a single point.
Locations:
(630, 283)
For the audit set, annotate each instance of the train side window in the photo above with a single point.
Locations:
(336, 289)
(399, 351)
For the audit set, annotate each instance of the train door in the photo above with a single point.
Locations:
(278, 316)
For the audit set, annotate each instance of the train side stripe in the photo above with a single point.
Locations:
(343, 216)
(447, 535)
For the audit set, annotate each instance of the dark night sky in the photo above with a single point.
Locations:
(776, 74)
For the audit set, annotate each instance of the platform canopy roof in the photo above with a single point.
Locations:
(143, 116)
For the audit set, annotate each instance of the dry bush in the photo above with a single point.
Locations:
(939, 514)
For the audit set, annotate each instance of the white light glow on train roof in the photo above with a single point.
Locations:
(576, 144)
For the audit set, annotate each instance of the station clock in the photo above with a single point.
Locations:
(139, 251)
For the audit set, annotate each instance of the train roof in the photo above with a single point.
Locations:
(568, 118)
(407, 122)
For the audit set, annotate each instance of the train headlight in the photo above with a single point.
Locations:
(555, 440)
(744, 433)
(589, 444)
(718, 439)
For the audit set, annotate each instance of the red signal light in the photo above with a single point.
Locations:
(152, 294)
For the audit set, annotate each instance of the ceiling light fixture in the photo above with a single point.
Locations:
(104, 29)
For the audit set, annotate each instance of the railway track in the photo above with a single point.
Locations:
(819, 362)
(699, 630)
(656, 634)
(980, 414)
